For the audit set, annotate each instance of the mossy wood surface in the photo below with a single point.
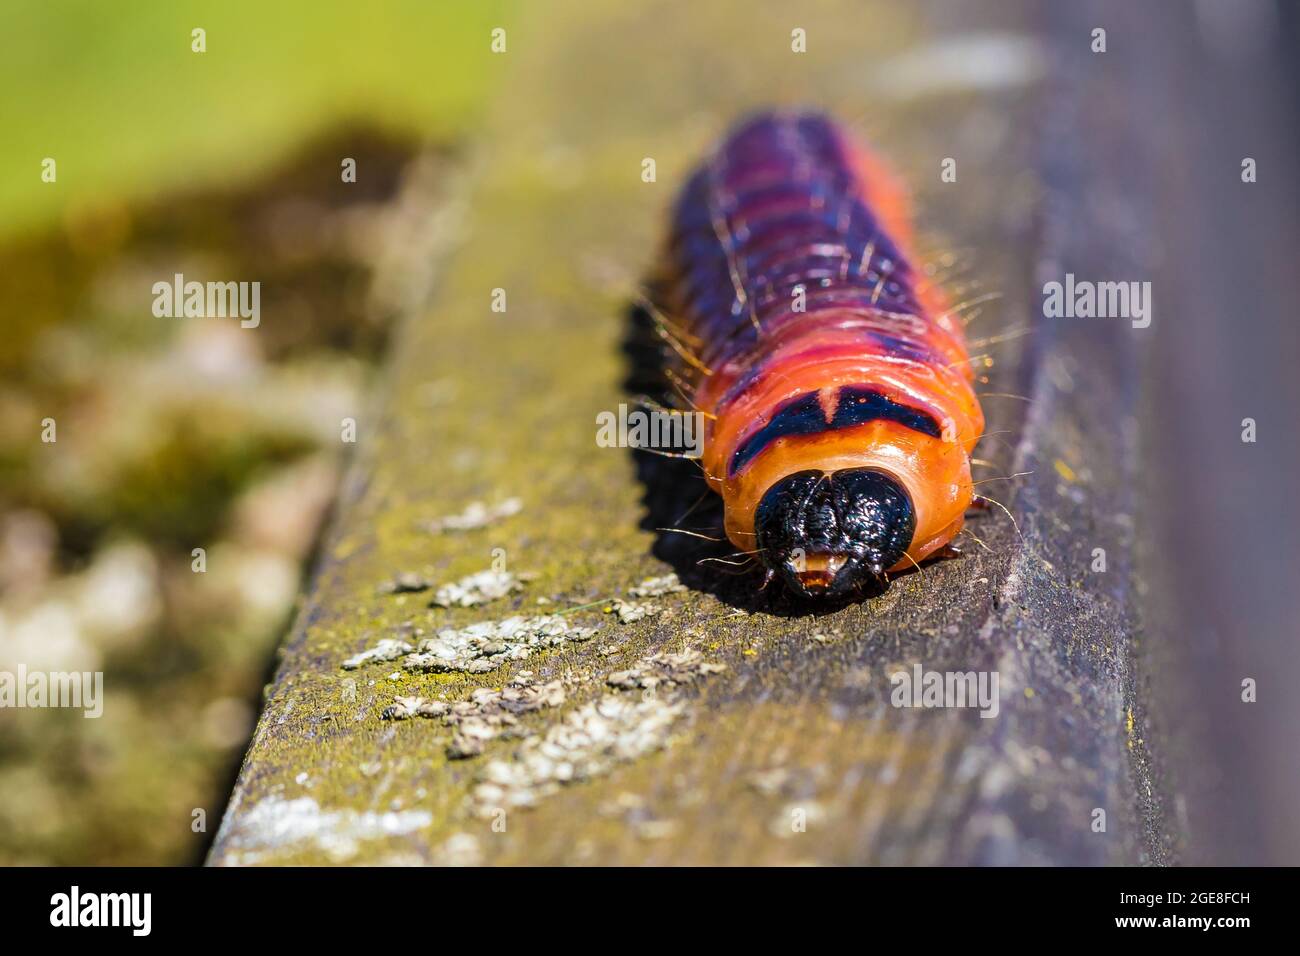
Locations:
(793, 752)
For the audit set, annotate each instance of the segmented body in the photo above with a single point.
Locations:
(813, 342)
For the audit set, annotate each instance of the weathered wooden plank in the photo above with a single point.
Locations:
(800, 725)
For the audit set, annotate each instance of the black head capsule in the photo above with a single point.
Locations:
(833, 534)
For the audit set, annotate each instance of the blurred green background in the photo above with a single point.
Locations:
(115, 94)
(177, 434)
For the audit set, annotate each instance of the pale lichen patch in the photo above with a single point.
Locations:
(405, 708)
(490, 713)
(589, 742)
(486, 645)
(388, 649)
(631, 611)
(477, 648)
(664, 669)
(478, 588)
(477, 515)
(275, 824)
(487, 714)
(657, 587)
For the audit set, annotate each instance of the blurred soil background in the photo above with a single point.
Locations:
(176, 434)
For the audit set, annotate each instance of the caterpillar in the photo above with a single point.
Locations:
(838, 396)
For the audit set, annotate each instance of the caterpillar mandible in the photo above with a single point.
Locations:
(835, 385)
